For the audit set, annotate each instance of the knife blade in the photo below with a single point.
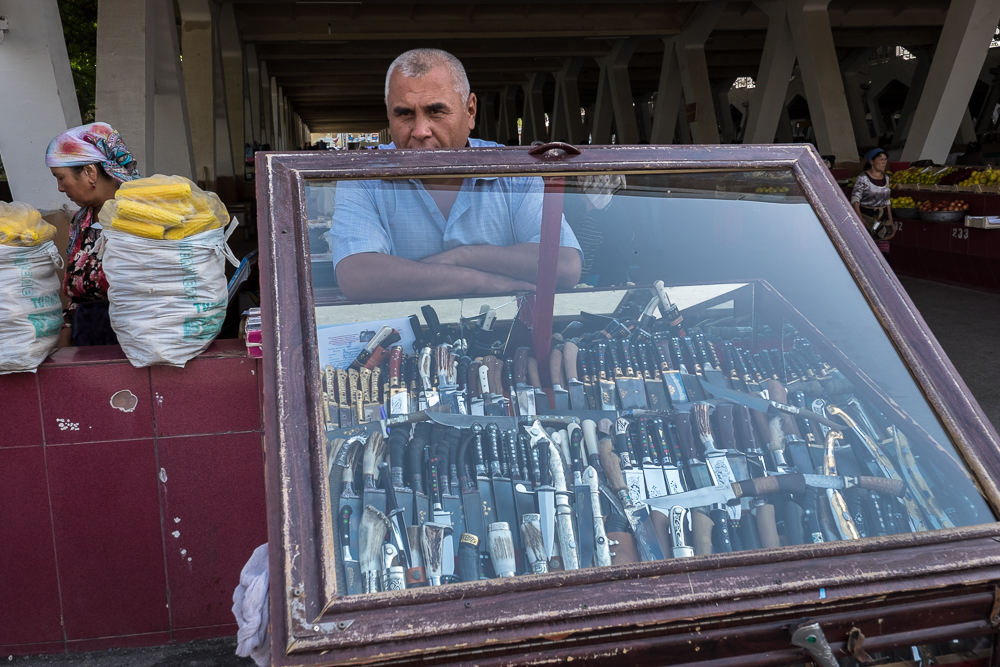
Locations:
(410, 380)
(710, 366)
(399, 403)
(568, 549)
(472, 503)
(374, 453)
(672, 475)
(577, 392)
(581, 492)
(760, 404)
(545, 492)
(415, 461)
(670, 376)
(635, 388)
(352, 568)
(646, 543)
(651, 471)
(698, 470)
(496, 406)
(602, 552)
(428, 396)
(656, 394)
(488, 510)
(718, 463)
(560, 396)
(441, 518)
(397, 521)
(534, 380)
(606, 386)
(793, 483)
(525, 394)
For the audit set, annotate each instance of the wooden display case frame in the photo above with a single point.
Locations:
(728, 609)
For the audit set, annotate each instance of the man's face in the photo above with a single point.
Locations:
(427, 112)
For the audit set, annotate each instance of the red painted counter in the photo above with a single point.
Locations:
(120, 527)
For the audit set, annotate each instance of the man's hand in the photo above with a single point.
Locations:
(517, 261)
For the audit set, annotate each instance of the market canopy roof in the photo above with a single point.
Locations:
(330, 58)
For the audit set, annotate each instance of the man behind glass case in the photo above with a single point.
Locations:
(425, 238)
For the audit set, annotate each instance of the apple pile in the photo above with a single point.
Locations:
(954, 205)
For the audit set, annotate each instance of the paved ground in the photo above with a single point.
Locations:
(205, 653)
(966, 322)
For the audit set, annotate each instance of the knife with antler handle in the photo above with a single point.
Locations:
(568, 548)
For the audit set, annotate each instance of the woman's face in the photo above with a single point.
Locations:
(78, 186)
(880, 161)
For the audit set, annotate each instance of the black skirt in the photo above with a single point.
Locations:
(92, 325)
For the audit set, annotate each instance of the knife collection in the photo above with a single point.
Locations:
(638, 438)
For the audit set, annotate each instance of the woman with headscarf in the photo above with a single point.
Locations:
(870, 199)
(89, 162)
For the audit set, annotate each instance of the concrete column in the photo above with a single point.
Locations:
(487, 115)
(507, 126)
(643, 117)
(253, 130)
(925, 56)
(725, 115)
(533, 118)
(985, 120)
(776, 63)
(693, 67)
(267, 131)
(810, 23)
(966, 129)
(275, 130)
(614, 73)
(783, 135)
(854, 94)
(233, 70)
(669, 95)
(38, 99)
(224, 168)
(961, 51)
(197, 44)
(565, 123)
(600, 126)
(125, 88)
(171, 127)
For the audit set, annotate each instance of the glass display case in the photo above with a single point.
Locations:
(666, 403)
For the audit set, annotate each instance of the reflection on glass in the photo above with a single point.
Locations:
(714, 382)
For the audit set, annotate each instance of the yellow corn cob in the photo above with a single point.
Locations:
(182, 207)
(196, 225)
(132, 210)
(141, 191)
(137, 228)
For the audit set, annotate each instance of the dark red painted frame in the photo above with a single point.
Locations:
(642, 609)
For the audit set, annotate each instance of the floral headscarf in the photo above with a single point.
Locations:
(97, 143)
(94, 143)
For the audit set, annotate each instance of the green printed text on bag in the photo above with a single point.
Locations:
(47, 323)
(203, 328)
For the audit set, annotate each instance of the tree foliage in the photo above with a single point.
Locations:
(79, 20)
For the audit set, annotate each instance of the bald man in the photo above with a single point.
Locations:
(427, 238)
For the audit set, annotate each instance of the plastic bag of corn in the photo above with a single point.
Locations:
(30, 309)
(22, 226)
(167, 297)
(163, 207)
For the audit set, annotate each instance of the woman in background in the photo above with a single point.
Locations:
(88, 162)
(870, 199)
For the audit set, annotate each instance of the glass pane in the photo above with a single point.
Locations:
(705, 331)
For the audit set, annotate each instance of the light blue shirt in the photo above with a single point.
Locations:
(398, 216)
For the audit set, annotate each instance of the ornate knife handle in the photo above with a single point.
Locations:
(425, 367)
(677, 536)
(493, 433)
